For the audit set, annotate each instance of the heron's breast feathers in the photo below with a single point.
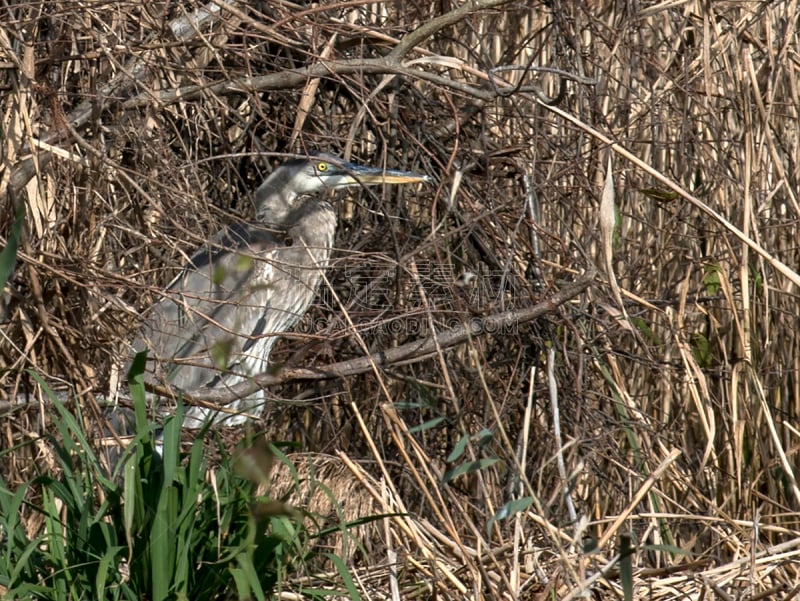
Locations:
(221, 317)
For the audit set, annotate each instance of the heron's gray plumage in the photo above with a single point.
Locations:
(217, 321)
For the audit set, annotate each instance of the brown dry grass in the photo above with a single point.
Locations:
(132, 131)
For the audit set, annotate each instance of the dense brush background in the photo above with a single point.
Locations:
(131, 131)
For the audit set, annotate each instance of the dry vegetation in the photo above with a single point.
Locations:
(132, 130)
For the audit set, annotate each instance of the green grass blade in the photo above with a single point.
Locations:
(347, 578)
(8, 256)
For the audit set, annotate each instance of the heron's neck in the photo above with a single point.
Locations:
(288, 210)
(275, 209)
(275, 200)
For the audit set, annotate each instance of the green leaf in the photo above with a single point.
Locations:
(8, 256)
(484, 437)
(644, 327)
(467, 468)
(171, 444)
(711, 280)
(626, 566)
(659, 195)
(758, 281)
(244, 263)
(219, 274)
(241, 581)
(403, 405)
(428, 425)
(347, 578)
(107, 564)
(162, 544)
(221, 351)
(458, 450)
(508, 510)
(701, 349)
(129, 490)
(251, 580)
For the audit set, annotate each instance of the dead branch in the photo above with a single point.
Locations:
(411, 352)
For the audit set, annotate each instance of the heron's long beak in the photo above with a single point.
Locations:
(359, 174)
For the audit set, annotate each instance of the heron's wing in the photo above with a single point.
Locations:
(214, 309)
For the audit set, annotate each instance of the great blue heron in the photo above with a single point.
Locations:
(217, 321)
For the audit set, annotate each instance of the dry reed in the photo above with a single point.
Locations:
(133, 130)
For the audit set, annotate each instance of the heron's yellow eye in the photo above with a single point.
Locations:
(322, 167)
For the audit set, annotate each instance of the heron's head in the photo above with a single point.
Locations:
(317, 173)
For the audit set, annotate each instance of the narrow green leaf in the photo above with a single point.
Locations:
(467, 468)
(459, 449)
(171, 444)
(245, 561)
(347, 578)
(8, 256)
(509, 509)
(644, 327)
(712, 280)
(241, 582)
(484, 437)
(428, 425)
(701, 349)
(129, 490)
(659, 195)
(21, 562)
(107, 563)
(161, 546)
(404, 405)
(626, 566)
